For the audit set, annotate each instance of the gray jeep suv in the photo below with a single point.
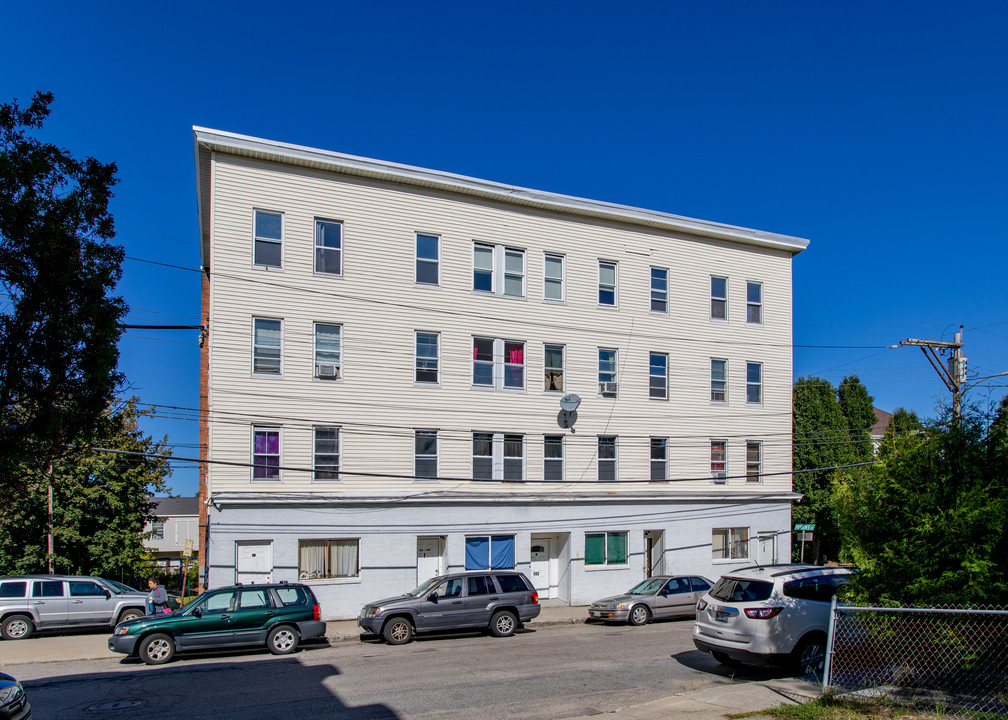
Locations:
(499, 600)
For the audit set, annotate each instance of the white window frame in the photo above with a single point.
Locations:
(332, 575)
(663, 295)
(605, 545)
(315, 351)
(736, 540)
(499, 272)
(279, 454)
(498, 458)
(561, 281)
(758, 385)
(316, 454)
(548, 368)
(614, 460)
(664, 376)
(418, 260)
(663, 443)
(752, 305)
(417, 358)
(500, 365)
(754, 469)
(724, 383)
(719, 476)
(615, 284)
(436, 455)
(318, 246)
(255, 346)
(257, 239)
(722, 302)
(561, 461)
(606, 374)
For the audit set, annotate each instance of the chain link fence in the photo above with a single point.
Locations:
(950, 661)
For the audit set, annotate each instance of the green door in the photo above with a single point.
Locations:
(255, 611)
(209, 623)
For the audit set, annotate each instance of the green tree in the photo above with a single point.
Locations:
(101, 502)
(928, 523)
(858, 408)
(60, 322)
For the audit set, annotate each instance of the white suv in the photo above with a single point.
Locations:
(769, 615)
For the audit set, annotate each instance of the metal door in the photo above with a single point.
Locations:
(90, 604)
(676, 599)
(49, 601)
(255, 562)
(539, 567)
(430, 556)
(767, 549)
(209, 623)
(446, 610)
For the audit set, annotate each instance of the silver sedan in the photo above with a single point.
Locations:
(661, 596)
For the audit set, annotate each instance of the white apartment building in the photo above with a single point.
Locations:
(386, 351)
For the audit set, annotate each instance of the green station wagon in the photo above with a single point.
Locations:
(277, 615)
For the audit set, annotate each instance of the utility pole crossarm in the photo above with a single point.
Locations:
(954, 376)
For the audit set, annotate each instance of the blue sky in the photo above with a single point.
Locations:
(876, 130)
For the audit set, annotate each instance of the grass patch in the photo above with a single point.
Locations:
(833, 708)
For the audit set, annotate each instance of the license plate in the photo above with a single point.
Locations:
(722, 616)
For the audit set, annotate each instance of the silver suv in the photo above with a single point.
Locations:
(499, 600)
(769, 615)
(59, 602)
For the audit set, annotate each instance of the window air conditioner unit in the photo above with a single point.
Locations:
(326, 370)
(719, 477)
(607, 388)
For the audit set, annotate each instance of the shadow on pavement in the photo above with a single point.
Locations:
(703, 662)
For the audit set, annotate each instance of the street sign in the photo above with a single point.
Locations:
(187, 550)
(805, 527)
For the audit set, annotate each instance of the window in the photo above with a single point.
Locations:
(326, 460)
(265, 453)
(268, 243)
(47, 588)
(499, 270)
(730, 543)
(318, 559)
(428, 259)
(754, 383)
(425, 454)
(719, 298)
(607, 371)
(658, 376)
(427, 353)
(754, 303)
(607, 283)
(328, 247)
(553, 458)
(553, 278)
(659, 290)
(328, 361)
(606, 458)
(499, 364)
(266, 335)
(718, 380)
(254, 599)
(553, 363)
(609, 548)
(659, 459)
(493, 552)
(480, 585)
(157, 530)
(85, 588)
(16, 589)
(719, 460)
(497, 456)
(753, 460)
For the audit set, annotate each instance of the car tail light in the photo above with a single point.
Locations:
(535, 598)
(318, 612)
(701, 605)
(764, 613)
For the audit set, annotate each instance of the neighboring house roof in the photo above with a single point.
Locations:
(207, 141)
(173, 507)
(882, 419)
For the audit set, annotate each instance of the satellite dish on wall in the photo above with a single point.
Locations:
(570, 403)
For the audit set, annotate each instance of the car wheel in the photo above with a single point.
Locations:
(157, 649)
(810, 655)
(130, 614)
(398, 631)
(503, 624)
(724, 659)
(17, 627)
(639, 615)
(282, 640)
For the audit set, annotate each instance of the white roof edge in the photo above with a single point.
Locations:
(223, 140)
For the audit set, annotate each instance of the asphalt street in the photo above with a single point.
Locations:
(547, 673)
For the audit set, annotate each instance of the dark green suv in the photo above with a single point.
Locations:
(277, 615)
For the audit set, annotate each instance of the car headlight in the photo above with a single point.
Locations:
(371, 611)
(621, 606)
(11, 693)
(120, 630)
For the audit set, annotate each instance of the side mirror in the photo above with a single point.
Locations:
(107, 594)
(197, 612)
(432, 597)
(663, 593)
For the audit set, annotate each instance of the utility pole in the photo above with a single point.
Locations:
(953, 372)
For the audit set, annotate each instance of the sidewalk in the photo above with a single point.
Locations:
(710, 703)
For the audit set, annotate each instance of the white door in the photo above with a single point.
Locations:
(767, 549)
(430, 558)
(255, 562)
(539, 567)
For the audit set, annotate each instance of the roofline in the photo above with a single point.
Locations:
(327, 160)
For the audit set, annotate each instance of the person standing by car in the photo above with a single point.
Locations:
(157, 599)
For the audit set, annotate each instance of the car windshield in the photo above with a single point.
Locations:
(648, 587)
(117, 587)
(424, 588)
